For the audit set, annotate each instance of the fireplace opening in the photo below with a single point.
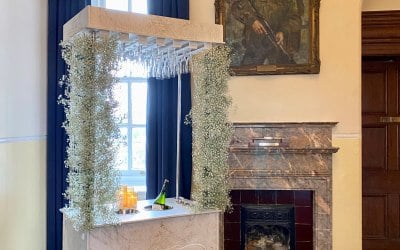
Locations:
(267, 237)
(269, 227)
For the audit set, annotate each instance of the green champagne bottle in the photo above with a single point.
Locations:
(159, 202)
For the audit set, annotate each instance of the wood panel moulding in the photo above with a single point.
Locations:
(381, 33)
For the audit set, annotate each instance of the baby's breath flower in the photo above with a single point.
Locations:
(92, 130)
(212, 129)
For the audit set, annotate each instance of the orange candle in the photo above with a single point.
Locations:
(122, 197)
(130, 198)
(127, 198)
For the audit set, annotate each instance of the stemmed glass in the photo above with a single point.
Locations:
(161, 62)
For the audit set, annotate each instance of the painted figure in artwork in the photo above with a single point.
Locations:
(272, 30)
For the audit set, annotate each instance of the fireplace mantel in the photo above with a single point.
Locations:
(303, 163)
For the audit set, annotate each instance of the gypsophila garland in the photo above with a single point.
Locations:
(212, 129)
(92, 130)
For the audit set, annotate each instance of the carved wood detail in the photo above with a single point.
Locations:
(381, 33)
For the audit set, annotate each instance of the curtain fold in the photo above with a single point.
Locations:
(161, 120)
(59, 12)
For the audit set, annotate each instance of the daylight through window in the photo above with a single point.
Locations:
(131, 93)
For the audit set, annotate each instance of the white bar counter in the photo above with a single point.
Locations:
(176, 228)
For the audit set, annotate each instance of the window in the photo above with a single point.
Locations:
(131, 93)
(138, 6)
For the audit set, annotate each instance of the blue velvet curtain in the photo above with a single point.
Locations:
(161, 130)
(59, 11)
(161, 120)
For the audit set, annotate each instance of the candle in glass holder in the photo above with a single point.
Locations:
(127, 198)
(122, 197)
(129, 201)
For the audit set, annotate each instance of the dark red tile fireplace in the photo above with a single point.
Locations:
(300, 200)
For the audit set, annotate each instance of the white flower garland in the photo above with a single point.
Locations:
(212, 130)
(92, 130)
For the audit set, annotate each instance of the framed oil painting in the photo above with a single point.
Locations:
(271, 36)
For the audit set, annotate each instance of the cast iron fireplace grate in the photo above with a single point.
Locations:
(267, 227)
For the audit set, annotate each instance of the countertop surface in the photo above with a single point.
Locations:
(176, 211)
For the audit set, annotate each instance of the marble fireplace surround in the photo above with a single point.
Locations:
(304, 163)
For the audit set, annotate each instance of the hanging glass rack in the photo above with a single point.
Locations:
(162, 45)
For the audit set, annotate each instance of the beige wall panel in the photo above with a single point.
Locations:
(376, 5)
(347, 192)
(23, 195)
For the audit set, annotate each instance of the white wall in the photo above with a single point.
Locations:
(23, 68)
(332, 95)
(23, 80)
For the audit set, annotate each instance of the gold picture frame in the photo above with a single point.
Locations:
(271, 37)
